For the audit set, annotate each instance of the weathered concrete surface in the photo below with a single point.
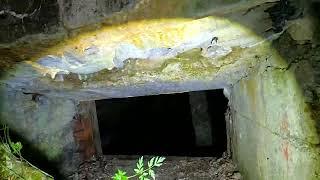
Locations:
(44, 123)
(274, 110)
(302, 30)
(32, 43)
(63, 16)
(275, 127)
(20, 18)
(75, 13)
(106, 84)
(275, 114)
(65, 132)
(190, 64)
(49, 112)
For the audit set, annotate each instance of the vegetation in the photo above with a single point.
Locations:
(12, 165)
(141, 172)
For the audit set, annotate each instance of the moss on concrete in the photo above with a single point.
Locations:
(274, 136)
(12, 167)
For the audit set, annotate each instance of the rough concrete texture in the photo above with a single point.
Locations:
(42, 122)
(274, 99)
(66, 16)
(75, 13)
(302, 30)
(275, 134)
(195, 65)
(20, 18)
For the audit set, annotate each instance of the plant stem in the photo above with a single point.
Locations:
(140, 173)
(8, 148)
(23, 159)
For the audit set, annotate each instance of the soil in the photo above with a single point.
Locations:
(174, 168)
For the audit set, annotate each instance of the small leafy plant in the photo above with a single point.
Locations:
(141, 172)
(12, 164)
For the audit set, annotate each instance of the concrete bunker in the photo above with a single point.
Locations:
(272, 124)
(267, 127)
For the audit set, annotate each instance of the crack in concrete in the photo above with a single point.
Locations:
(283, 69)
(294, 141)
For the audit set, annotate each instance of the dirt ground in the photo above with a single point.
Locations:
(174, 168)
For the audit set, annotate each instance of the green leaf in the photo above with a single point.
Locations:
(158, 161)
(141, 160)
(16, 147)
(151, 162)
(120, 175)
(140, 163)
(137, 171)
(158, 165)
(142, 172)
(152, 174)
(121, 172)
(161, 159)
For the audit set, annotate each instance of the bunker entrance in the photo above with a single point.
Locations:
(184, 124)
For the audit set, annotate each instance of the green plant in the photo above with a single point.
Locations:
(12, 147)
(12, 164)
(141, 172)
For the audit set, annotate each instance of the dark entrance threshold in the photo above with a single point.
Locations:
(159, 125)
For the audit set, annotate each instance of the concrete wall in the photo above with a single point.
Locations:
(275, 131)
(19, 18)
(275, 125)
(44, 123)
(62, 17)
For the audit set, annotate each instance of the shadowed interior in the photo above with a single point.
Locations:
(159, 125)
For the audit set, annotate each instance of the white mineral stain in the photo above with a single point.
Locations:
(110, 47)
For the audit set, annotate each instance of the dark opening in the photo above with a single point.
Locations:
(159, 125)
